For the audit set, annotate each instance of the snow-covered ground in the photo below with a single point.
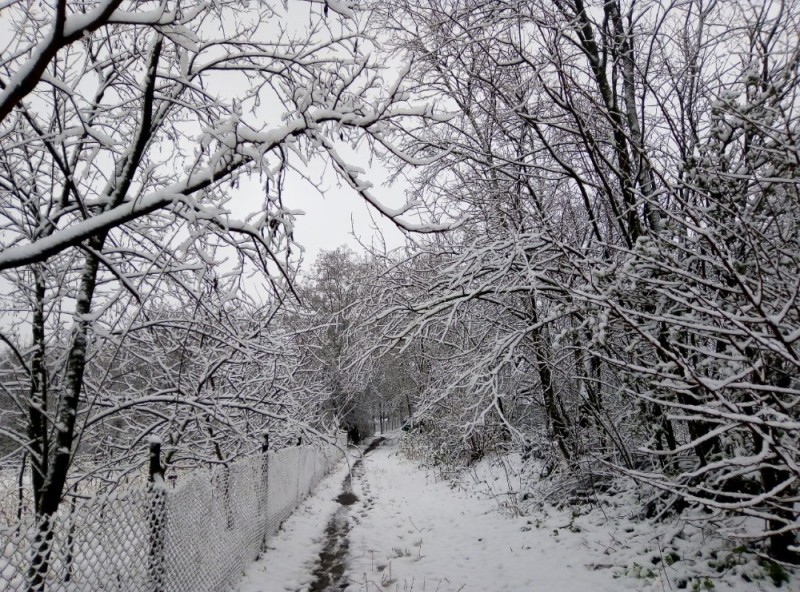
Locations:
(411, 531)
(292, 553)
(417, 533)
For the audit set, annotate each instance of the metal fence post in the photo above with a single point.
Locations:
(297, 476)
(265, 488)
(71, 536)
(158, 517)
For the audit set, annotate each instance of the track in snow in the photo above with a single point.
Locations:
(332, 559)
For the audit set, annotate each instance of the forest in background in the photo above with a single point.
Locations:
(602, 266)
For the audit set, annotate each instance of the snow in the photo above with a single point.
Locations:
(410, 530)
(688, 551)
(422, 532)
(413, 530)
(292, 552)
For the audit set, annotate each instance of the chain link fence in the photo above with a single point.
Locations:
(196, 537)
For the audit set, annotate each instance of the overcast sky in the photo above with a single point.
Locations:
(333, 212)
(330, 220)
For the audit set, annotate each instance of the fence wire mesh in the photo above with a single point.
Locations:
(196, 537)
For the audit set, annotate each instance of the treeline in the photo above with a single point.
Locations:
(147, 256)
(620, 290)
(605, 273)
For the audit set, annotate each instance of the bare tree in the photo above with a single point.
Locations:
(126, 129)
(328, 324)
(627, 173)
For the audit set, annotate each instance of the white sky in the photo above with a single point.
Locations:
(334, 214)
(332, 219)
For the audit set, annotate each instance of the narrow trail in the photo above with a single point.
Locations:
(388, 526)
(332, 559)
(413, 532)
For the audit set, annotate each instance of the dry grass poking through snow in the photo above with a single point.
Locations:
(692, 551)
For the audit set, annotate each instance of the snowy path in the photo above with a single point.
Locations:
(409, 533)
(418, 534)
